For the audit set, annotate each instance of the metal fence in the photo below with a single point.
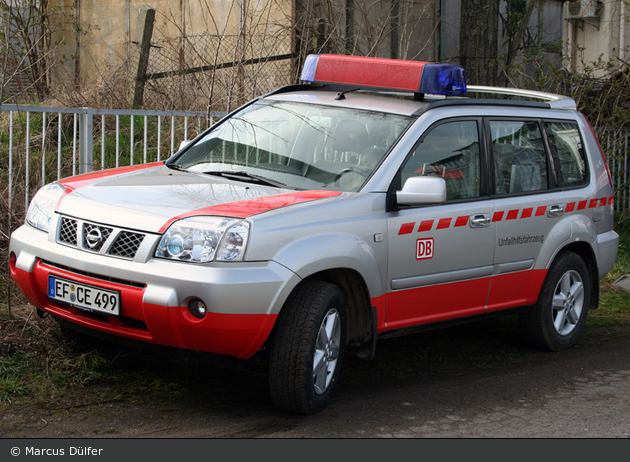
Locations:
(216, 71)
(43, 144)
(616, 146)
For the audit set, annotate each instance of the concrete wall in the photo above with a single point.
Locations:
(102, 40)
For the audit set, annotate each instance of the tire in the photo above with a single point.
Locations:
(557, 318)
(307, 348)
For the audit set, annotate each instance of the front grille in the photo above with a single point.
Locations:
(96, 238)
(127, 244)
(68, 231)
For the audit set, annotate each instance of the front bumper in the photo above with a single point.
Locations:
(243, 298)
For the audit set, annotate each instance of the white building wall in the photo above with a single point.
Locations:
(592, 41)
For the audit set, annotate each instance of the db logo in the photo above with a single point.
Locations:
(424, 248)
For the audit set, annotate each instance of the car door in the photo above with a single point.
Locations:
(528, 206)
(440, 256)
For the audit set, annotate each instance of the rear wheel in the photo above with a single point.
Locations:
(557, 319)
(307, 348)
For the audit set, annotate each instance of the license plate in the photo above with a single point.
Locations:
(84, 296)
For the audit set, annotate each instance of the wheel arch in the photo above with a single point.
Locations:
(352, 264)
(361, 315)
(581, 241)
(585, 251)
(555, 321)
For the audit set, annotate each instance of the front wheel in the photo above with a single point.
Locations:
(557, 319)
(307, 348)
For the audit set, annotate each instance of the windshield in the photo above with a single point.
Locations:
(299, 146)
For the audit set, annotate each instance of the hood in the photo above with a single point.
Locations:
(150, 197)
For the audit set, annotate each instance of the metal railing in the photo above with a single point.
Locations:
(57, 142)
(42, 144)
(616, 146)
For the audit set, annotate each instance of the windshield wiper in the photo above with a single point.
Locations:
(248, 177)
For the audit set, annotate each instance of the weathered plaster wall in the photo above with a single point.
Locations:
(101, 41)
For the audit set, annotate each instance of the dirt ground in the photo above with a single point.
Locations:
(485, 384)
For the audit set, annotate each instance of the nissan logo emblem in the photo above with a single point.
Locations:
(94, 238)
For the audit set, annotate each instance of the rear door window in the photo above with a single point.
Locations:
(520, 160)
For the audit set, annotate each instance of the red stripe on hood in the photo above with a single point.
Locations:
(75, 182)
(249, 207)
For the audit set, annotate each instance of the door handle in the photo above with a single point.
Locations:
(480, 221)
(555, 210)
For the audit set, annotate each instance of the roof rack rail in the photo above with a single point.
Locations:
(554, 101)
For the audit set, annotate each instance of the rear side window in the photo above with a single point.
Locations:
(520, 161)
(567, 152)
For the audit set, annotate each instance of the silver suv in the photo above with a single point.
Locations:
(376, 198)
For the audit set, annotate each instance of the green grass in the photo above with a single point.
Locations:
(614, 305)
(46, 370)
(36, 366)
(13, 372)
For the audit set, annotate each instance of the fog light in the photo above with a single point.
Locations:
(197, 308)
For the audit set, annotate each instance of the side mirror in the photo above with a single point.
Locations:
(183, 144)
(422, 190)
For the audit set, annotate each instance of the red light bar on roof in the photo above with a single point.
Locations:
(383, 73)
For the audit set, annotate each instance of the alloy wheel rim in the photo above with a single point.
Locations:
(326, 354)
(568, 302)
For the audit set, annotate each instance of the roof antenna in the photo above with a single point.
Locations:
(342, 94)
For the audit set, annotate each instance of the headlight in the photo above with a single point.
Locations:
(43, 205)
(203, 239)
